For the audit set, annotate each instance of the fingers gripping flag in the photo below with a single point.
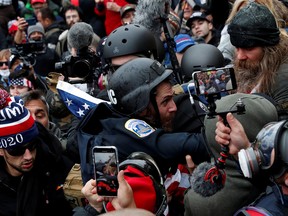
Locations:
(77, 101)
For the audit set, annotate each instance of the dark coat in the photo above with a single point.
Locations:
(103, 126)
(38, 192)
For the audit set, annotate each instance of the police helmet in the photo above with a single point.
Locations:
(146, 164)
(130, 39)
(200, 57)
(130, 86)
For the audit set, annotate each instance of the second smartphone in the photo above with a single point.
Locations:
(106, 168)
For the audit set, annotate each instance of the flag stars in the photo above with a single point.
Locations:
(80, 112)
(86, 106)
(69, 102)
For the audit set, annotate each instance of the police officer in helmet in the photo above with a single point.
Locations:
(139, 118)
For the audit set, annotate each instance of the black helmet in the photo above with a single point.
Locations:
(130, 86)
(200, 57)
(130, 39)
(146, 164)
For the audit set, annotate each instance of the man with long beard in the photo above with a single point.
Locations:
(261, 60)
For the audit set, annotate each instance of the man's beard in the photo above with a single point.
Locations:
(167, 126)
(247, 74)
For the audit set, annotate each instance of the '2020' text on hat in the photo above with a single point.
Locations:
(17, 126)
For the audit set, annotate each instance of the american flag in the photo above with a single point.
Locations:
(76, 100)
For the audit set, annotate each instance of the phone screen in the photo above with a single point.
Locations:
(213, 81)
(106, 170)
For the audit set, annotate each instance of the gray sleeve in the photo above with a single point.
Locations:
(225, 46)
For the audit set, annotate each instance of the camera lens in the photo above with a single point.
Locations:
(81, 68)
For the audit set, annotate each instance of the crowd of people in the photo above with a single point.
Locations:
(193, 98)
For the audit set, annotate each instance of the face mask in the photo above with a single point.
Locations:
(5, 73)
(268, 153)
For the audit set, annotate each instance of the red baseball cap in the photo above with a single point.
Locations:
(37, 1)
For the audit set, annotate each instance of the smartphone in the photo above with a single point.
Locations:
(214, 80)
(31, 21)
(106, 168)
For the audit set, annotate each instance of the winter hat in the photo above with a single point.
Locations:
(12, 26)
(17, 126)
(254, 25)
(35, 28)
(183, 41)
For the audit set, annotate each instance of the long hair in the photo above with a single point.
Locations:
(260, 75)
(273, 57)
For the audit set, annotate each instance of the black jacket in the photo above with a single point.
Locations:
(39, 191)
(103, 126)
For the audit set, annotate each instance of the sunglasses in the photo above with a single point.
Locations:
(20, 150)
(2, 63)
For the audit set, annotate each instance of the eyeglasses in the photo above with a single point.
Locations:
(2, 63)
(18, 151)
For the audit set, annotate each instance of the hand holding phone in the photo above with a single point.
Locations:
(106, 168)
(22, 24)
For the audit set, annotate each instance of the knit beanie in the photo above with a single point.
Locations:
(254, 25)
(35, 28)
(17, 126)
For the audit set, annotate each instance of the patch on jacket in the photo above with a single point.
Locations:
(139, 127)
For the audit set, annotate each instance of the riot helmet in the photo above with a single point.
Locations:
(130, 86)
(268, 153)
(130, 39)
(200, 57)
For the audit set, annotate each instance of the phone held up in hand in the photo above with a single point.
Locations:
(31, 21)
(214, 80)
(106, 168)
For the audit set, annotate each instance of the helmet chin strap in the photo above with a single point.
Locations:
(157, 120)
